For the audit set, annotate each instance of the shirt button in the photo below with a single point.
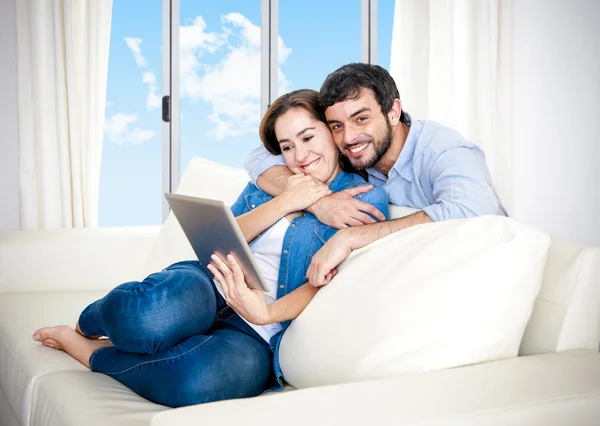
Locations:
(293, 225)
(253, 206)
(281, 286)
(285, 252)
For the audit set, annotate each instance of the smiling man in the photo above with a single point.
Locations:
(420, 164)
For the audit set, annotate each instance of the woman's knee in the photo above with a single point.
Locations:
(161, 310)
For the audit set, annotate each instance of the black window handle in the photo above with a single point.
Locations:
(166, 109)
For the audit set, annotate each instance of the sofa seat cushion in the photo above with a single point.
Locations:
(77, 398)
(22, 360)
(551, 390)
(7, 417)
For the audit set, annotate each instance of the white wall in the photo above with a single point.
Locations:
(556, 116)
(9, 160)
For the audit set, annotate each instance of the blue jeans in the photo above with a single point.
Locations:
(176, 341)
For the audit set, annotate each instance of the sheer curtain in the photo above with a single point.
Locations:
(451, 63)
(62, 61)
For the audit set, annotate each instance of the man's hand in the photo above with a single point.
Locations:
(323, 266)
(248, 303)
(341, 210)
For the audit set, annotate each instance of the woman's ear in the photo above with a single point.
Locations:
(395, 112)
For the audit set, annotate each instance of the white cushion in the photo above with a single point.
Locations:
(433, 296)
(88, 399)
(22, 360)
(550, 390)
(566, 313)
(397, 212)
(7, 417)
(204, 179)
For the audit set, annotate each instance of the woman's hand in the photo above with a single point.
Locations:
(248, 303)
(302, 191)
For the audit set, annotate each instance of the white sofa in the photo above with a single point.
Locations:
(46, 278)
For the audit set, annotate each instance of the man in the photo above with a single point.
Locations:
(420, 164)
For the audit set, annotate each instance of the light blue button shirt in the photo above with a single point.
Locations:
(438, 171)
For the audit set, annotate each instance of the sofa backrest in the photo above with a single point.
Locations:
(202, 178)
(566, 314)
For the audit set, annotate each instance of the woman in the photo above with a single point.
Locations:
(172, 338)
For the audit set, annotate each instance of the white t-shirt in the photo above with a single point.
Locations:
(267, 254)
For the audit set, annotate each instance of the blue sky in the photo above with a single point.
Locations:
(220, 86)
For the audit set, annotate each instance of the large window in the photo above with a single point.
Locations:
(385, 23)
(219, 75)
(220, 68)
(317, 37)
(131, 174)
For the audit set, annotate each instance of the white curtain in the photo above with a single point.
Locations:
(62, 60)
(450, 61)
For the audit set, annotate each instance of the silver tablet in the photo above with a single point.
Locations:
(211, 228)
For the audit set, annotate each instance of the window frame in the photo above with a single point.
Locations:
(269, 64)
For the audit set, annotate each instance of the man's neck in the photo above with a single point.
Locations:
(390, 157)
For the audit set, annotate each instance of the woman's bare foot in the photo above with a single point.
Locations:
(64, 338)
(77, 329)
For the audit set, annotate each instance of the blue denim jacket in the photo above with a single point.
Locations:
(303, 238)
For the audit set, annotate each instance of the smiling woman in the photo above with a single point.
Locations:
(296, 128)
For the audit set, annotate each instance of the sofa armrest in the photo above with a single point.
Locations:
(73, 259)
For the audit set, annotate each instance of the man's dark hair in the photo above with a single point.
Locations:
(346, 82)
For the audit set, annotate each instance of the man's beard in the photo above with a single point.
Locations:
(380, 147)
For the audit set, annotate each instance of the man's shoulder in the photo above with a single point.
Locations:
(436, 138)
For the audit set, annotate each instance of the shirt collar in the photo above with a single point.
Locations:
(403, 164)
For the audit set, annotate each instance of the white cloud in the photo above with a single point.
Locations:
(134, 45)
(116, 128)
(153, 100)
(193, 38)
(231, 85)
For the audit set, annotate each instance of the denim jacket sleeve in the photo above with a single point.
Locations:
(250, 198)
(239, 207)
(378, 198)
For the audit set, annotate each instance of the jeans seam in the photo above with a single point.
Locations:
(154, 360)
(85, 314)
(91, 358)
(117, 290)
